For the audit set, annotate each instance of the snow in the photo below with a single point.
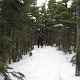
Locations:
(1, 77)
(46, 63)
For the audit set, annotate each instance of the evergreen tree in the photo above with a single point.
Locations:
(15, 32)
(63, 24)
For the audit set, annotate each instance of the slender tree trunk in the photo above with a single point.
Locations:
(78, 40)
(14, 56)
(18, 49)
(10, 48)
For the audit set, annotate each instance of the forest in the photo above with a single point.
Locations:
(20, 20)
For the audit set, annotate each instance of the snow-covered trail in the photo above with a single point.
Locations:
(46, 64)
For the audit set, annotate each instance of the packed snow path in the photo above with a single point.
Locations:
(46, 63)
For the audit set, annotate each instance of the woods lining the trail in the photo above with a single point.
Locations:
(20, 20)
(18, 27)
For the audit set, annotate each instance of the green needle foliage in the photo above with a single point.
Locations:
(6, 74)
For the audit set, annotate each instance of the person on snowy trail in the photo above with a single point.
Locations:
(40, 39)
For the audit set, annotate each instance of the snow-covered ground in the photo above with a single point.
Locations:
(46, 63)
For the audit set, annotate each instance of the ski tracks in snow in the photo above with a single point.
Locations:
(45, 64)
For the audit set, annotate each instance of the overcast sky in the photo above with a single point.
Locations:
(39, 2)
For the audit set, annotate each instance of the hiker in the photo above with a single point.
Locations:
(40, 39)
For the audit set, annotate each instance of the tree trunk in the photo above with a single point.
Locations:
(18, 49)
(11, 47)
(78, 40)
(14, 55)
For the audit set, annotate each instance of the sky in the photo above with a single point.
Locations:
(39, 2)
